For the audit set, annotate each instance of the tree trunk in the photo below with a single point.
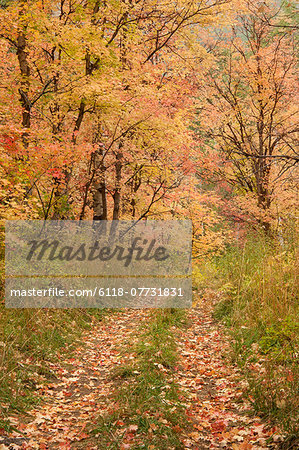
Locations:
(25, 84)
(117, 191)
(99, 188)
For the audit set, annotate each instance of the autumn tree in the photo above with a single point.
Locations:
(97, 99)
(248, 108)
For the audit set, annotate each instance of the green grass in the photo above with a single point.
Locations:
(29, 340)
(147, 397)
(260, 307)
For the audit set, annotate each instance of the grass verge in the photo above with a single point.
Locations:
(29, 340)
(260, 307)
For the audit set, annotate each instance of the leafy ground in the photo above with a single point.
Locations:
(145, 379)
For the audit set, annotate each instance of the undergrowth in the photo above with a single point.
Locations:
(259, 290)
(29, 340)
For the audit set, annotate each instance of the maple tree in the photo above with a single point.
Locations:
(104, 102)
(249, 111)
(99, 98)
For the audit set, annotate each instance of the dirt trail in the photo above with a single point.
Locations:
(80, 392)
(220, 418)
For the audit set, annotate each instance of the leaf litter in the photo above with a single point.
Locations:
(217, 414)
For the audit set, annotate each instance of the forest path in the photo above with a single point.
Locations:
(217, 415)
(80, 392)
(220, 417)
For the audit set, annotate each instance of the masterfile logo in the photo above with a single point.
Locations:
(47, 261)
(140, 250)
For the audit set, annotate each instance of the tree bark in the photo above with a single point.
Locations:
(117, 191)
(99, 188)
(25, 84)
